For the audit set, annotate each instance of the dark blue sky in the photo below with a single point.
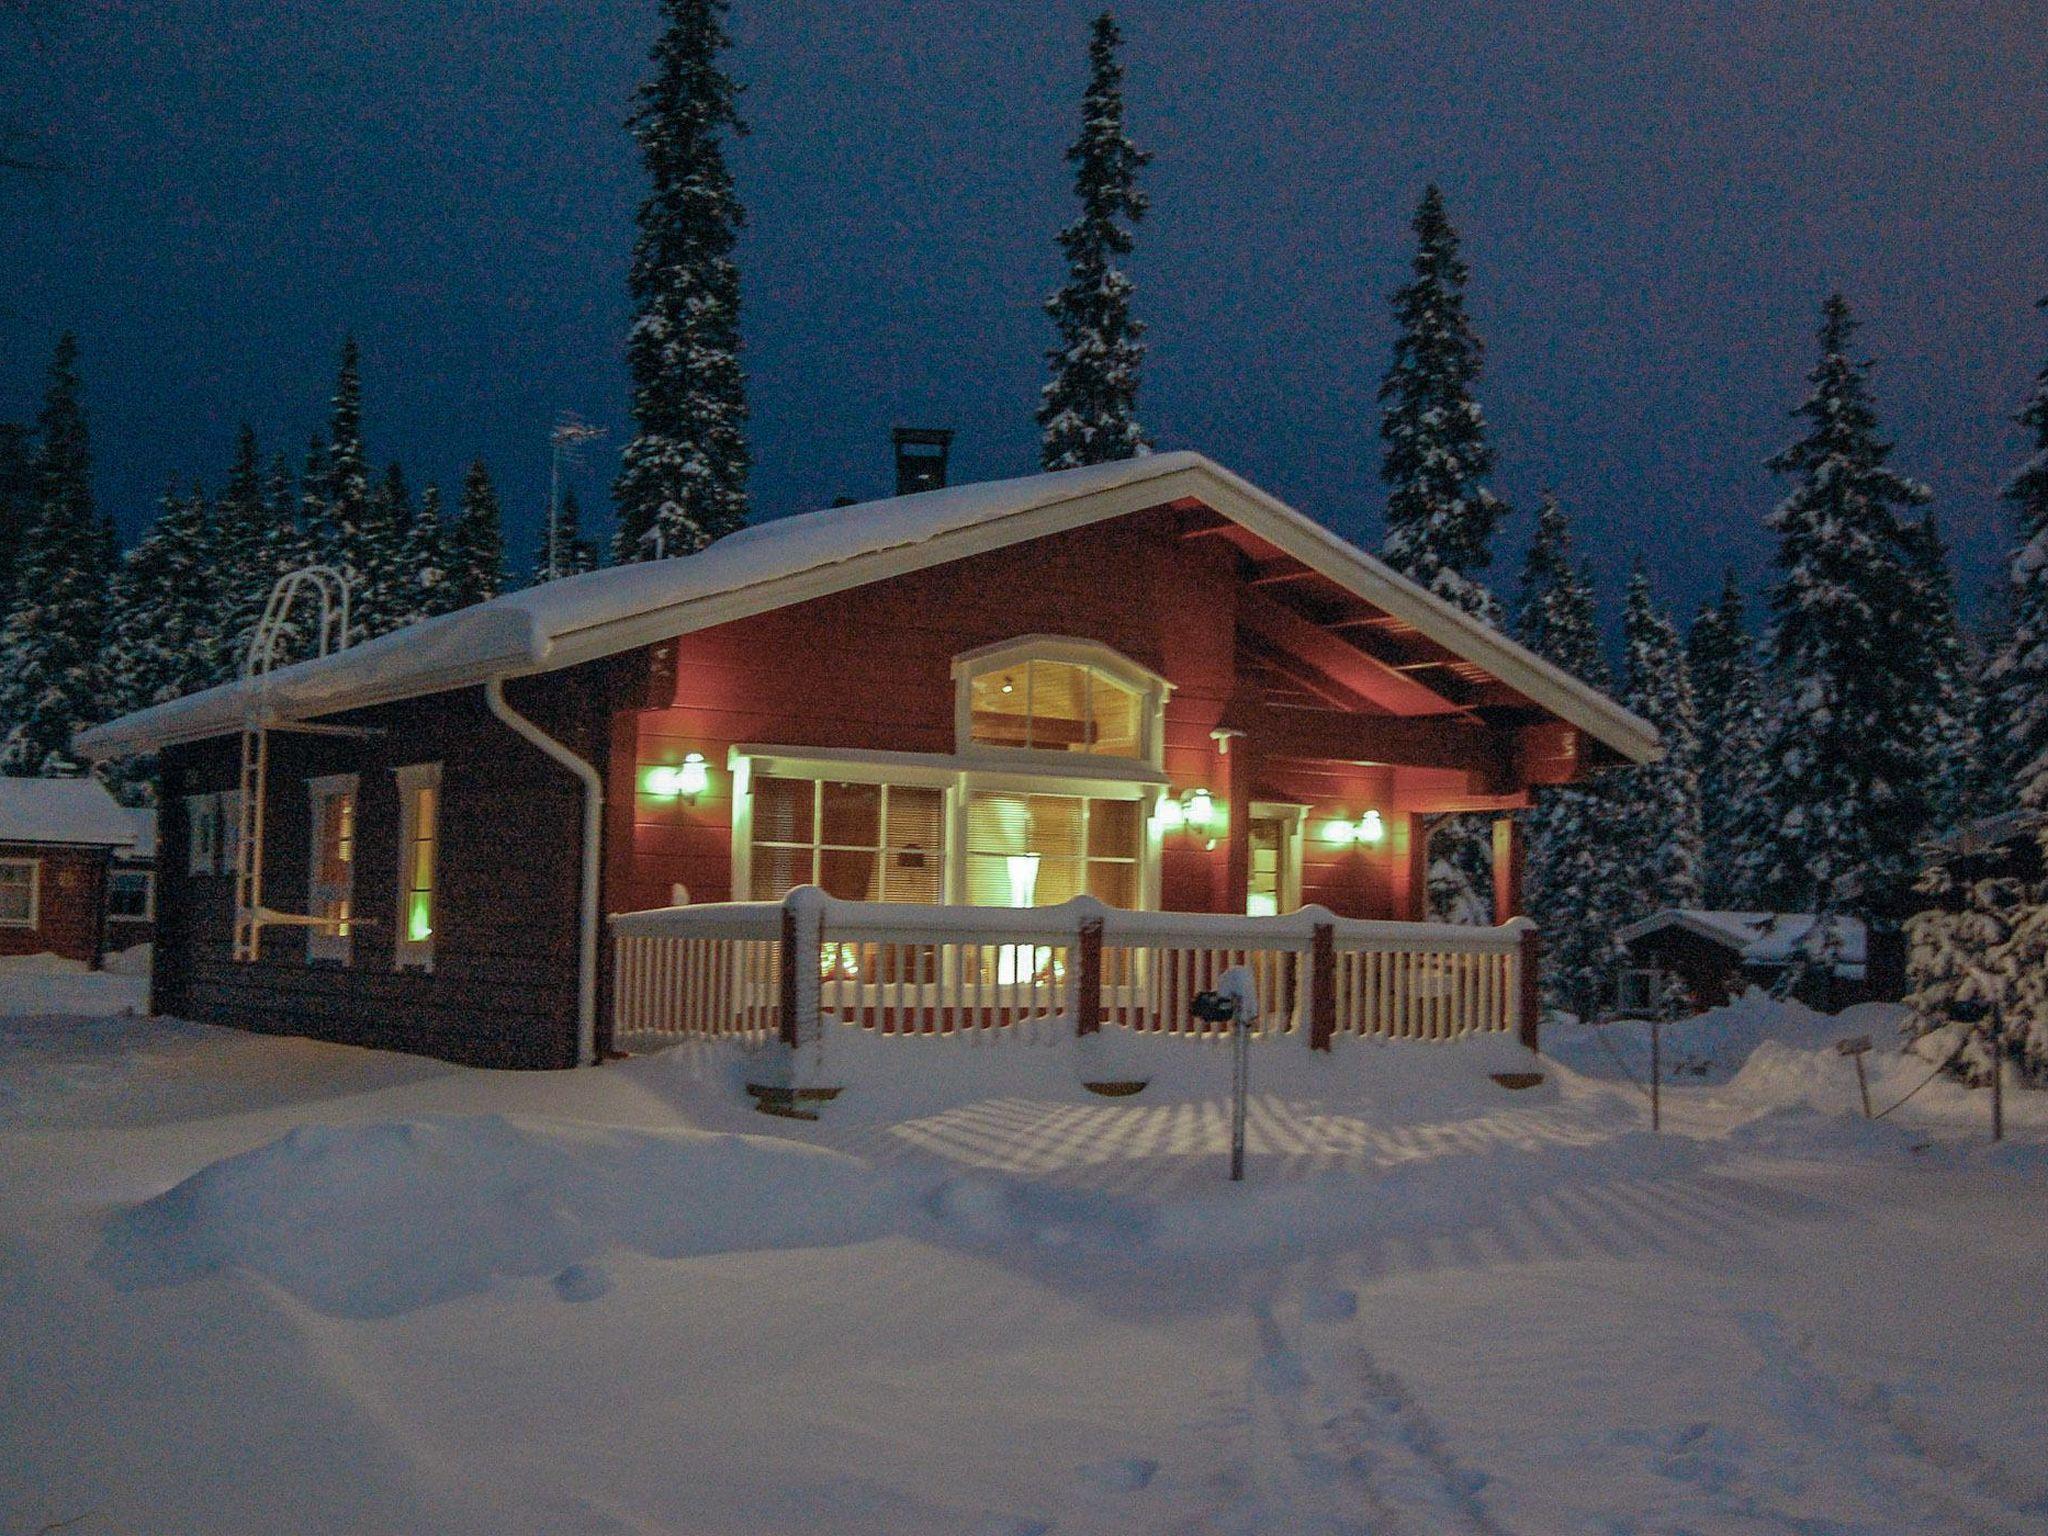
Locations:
(1653, 197)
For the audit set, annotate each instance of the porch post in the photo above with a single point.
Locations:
(1322, 986)
(1530, 1004)
(1088, 975)
(802, 941)
(1508, 865)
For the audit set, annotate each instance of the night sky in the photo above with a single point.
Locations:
(1653, 198)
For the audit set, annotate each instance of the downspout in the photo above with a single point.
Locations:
(593, 849)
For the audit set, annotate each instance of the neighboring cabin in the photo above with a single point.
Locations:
(1146, 681)
(1717, 956)
(75, 870)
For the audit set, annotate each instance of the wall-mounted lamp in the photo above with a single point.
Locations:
(1369, 828)
(684, 782)
(1198, 809)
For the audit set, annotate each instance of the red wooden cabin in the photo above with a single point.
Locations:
(1147, 681)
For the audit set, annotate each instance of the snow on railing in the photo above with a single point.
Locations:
(757, 968)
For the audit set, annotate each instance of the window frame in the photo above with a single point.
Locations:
(34, 866)
(148, 879)
(1152, 692)
(407, 952)
(818, 776)
(1084, 859)
(336, 945)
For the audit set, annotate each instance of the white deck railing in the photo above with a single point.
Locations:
(756, 969)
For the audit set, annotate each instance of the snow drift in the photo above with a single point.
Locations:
(371, 1220)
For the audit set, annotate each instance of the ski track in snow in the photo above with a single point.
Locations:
(1332, 1443)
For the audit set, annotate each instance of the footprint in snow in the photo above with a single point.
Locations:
(1127, 1475)
(582, 1282)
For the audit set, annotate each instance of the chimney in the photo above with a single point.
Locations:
(921, 458)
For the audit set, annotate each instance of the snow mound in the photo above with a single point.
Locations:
(1710, 1047)
(372, 1220)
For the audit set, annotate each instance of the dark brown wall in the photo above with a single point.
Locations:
(68, 907)
(503, 988)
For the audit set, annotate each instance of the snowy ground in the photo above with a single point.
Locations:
(264, 1285)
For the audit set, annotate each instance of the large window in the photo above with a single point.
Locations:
(1050, 694)
(419, 834)
(1037, 850)
(859, 841)
(1055, 706)
(20, 880)
(330, 893)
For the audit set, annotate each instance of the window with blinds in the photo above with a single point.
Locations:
(860, 842)
(331, 873)
(419, 837)
(1039, 850)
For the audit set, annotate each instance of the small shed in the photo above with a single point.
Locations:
(1717, 955)
(57, 842)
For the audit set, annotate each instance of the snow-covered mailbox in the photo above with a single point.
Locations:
(57, 838)
(1145, 683)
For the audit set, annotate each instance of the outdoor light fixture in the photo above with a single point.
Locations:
(686, 782)
(1167, 815)
(1198, 809)
(1369, 828)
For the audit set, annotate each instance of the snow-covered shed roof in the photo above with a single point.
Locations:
(69, 811)
(142, 819)
(1757, 938)
(789, 560)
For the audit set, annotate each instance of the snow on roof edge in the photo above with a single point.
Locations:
(68, 811)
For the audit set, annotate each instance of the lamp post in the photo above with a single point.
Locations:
(566, 440)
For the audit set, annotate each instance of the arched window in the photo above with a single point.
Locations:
(1047, 695)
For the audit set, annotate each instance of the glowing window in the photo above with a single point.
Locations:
(859, 841)
(1055, 706)
(419, 833)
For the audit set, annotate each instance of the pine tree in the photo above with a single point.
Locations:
(1571, 888)
(256, 541)
(2016, 682)
(1440, 515)
(1657, 805)
(52, 672)
(1728, 695)
(1847, 773)
(476, 543)
(1939, 655)
(337, 481)
(426, 560)
(684, 480)
(409, 570)
(1088, 412)
(573, 554)
(17, 502)
(165, 637)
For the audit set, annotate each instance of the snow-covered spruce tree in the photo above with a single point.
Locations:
(1847, 777)
(573, 554)
(476, 542)
(52, 668)
(256, 540)
(1657, 806)
(1088, 412)
(164, 634)
(1951, 745)
(1571, 890)
(1728, 696)
(426, 559)
(358, 532)
(17, 501)
(684, 479)
(1440, 515)
(2016, 681)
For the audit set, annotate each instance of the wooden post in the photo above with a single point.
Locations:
(1530, 1005)
(1088, 976)
(1322, 986)
(1508, 865)
(789, 975)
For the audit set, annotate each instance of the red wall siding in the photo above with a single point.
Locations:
(872, 669)
(68, 904)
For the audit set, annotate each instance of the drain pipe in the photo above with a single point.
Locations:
(593, 848)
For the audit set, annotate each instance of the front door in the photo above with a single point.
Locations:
(1270, 876)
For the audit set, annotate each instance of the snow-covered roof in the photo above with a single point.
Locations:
(774, 564)
(1758, 938)
(142, 820)
(63, 811)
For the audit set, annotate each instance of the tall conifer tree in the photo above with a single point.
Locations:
(426, 560)
(1939, 653)
(1088, 412)
(2016, 681)
(476, 542)
(52, 673)
(684, 480)
(573, 554)
(1572, 887)
(165, 638)
(1848, 780)
(1728, 693)
(1657, 805)
(1441, 517)
(256, 538)
(17, 502)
